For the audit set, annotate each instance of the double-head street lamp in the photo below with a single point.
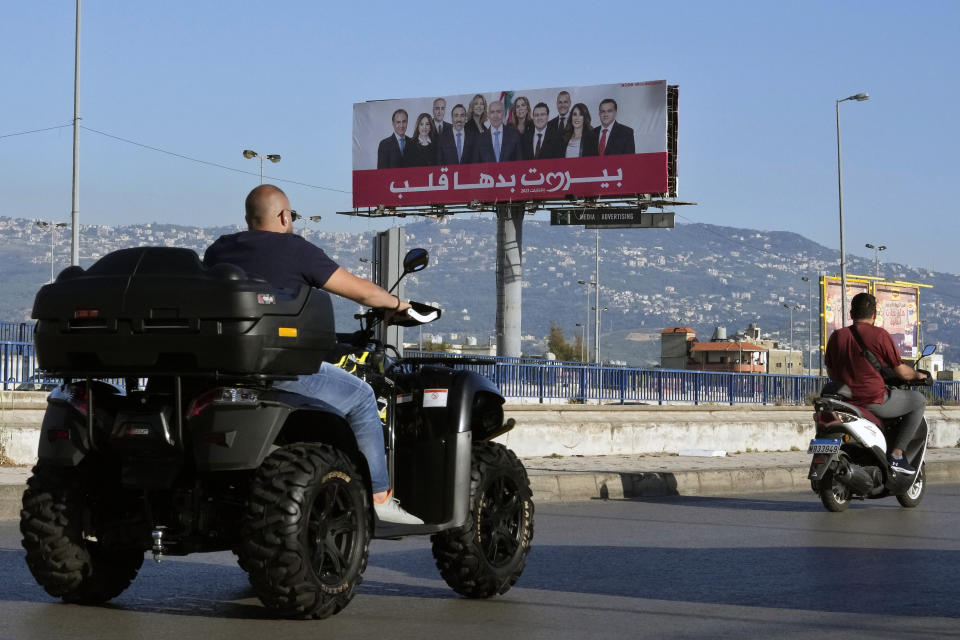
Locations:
(583, 344)
(860, 97)
(598, 311)
(272, 157)
(876, 257)
(43, 224)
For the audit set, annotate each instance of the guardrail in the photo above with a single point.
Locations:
(555, 380)
(16, 332)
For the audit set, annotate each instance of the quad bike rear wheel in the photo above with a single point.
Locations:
(64, 556)
(306, 533)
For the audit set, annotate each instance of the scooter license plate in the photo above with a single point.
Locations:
(824, 446)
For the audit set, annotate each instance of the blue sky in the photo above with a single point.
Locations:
(758, 81)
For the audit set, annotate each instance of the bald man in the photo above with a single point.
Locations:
(270, 249)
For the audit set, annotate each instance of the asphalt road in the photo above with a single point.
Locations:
(762, 566)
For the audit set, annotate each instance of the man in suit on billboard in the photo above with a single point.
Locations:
(541, 141)
(439, 110)
(499, 143)
(456, 143)
(391, 149)
(563, 112)
(613, 138)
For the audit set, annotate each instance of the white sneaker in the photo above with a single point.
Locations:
(390, 511)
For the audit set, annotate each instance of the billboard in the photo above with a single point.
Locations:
(503, 146)
(897, 313)
(898, 309)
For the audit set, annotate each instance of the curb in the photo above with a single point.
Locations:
(577, 487)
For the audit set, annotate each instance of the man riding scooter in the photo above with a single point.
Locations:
(860, 356)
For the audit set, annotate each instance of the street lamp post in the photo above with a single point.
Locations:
(586, 284)
(860, 97)
(876, 256)
(43, 224)
(596, 353)
(583, 344)
(791, 307)
(272, 157)
(809, 323)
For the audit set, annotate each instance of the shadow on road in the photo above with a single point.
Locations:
(825, 579)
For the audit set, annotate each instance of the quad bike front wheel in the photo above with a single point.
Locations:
(486, 555)
(66, 558)
(306, 533)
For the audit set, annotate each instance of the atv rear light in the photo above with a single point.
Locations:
(223, 395)
(86, 313)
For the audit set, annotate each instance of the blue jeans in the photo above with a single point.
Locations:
(355, 399)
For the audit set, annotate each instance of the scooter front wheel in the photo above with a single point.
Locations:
(914, 494)
(834, 495)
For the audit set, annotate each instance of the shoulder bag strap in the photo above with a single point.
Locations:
(869, 355)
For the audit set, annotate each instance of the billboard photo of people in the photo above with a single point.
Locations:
(542, 144)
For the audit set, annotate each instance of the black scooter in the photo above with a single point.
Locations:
(850, 451)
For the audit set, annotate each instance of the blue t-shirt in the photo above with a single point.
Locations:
(285, 260)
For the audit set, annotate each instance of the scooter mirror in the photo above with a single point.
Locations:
(415, 260)
(928, 350)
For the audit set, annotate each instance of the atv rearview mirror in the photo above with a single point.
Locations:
(415, 260)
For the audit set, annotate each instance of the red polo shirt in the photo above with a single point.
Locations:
(845, 361)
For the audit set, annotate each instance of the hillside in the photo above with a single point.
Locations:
(697, 275)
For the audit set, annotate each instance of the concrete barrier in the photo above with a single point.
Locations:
(591, 430)
(572, 430)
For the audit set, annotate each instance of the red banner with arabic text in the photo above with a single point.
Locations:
(512, 181)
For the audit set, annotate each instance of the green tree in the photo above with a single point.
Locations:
(559, 346)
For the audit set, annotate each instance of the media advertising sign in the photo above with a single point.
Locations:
(529, 144)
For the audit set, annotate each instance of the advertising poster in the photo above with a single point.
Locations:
(897, 313)
(517, 145)
(832, 314)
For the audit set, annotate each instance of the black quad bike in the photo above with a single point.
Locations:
(201, 452)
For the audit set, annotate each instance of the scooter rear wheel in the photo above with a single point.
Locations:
(834, 495)
(914, 494)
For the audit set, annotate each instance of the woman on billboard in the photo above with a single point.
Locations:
(520, 116)
(478, 115)
(422, 150)
(578, 136)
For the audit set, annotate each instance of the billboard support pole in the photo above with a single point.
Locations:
(509, 277)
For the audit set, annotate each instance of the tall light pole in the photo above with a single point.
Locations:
(597, 330)
(791, 307)
(272, 157)
(860, 97)
(809, 322)
(75, 207)
(583, 344)
(586, 284)
(43, 224)
(596, 353)
(876, 257)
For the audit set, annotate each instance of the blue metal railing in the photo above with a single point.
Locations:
(16, 332)
(555, 380)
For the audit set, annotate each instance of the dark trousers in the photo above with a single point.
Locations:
(900, 402)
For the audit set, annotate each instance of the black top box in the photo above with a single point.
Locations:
(158, 310)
